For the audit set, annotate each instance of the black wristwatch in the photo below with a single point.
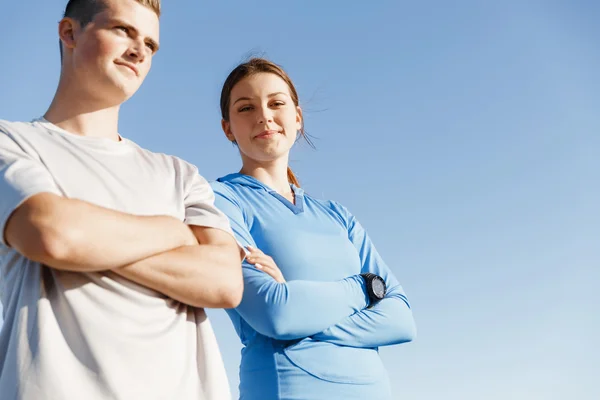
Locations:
(375, 287)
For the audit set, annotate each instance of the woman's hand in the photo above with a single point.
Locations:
(264, 263)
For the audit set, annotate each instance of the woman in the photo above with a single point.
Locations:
(310, 323)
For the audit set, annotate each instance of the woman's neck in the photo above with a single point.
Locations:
(273, 174)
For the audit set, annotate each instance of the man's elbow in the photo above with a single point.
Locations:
(232, 294)
(39, 237)
(231, 282)
(54, 247)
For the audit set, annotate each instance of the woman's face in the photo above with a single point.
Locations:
(263, 119)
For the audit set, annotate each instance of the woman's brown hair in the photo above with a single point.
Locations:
(252, 67)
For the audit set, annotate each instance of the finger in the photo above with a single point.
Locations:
(264, 260)
(254, 250)
(252, 259)
(267, 268)
(252, 256)
(275, 274)
(250, 251)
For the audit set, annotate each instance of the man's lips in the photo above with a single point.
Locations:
(130, 66)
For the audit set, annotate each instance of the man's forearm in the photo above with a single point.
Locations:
(76, 235)
(199, 275)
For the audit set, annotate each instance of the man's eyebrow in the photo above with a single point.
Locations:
(153, 43)
(132, 28)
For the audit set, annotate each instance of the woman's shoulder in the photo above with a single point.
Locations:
(332, 207)
(227, 185)
(222, 188)
(324, 202)
(229, 191)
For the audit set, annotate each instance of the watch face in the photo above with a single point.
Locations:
(379, 288)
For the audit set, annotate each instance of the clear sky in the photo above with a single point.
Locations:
(464, 135)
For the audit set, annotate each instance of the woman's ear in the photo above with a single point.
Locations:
(299, 118)
(226, 126)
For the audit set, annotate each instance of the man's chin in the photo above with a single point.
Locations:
(122, 93)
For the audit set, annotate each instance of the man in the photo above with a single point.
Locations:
(109, 251)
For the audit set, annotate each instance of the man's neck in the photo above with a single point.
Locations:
(84, 116)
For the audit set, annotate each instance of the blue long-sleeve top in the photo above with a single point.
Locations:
(318, 319)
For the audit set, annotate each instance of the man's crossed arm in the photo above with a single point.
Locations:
(198, 266)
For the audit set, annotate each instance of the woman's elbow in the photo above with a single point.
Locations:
(410, 331)
(406, 329)
(405, 326)
(277, 325)
(279, 331)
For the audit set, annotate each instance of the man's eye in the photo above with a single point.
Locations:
(151, 47)
(123, 28)
(245, 108)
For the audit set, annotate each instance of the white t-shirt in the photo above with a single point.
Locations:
(87, 336)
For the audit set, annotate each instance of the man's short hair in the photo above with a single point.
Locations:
(84, 11)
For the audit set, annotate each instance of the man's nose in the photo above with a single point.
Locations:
(136, 51)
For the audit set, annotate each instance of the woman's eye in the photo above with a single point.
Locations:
(245, 108)
(278, 104)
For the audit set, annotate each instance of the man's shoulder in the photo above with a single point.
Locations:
(16, 127)
(180, 165)
(18, 133)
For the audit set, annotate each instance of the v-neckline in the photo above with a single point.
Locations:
(296, 207)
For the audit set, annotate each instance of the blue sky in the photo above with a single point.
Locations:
(464, 136)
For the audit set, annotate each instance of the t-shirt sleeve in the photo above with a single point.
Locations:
(21, 176)
(200, 207)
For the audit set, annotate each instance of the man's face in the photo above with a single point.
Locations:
(112, 54)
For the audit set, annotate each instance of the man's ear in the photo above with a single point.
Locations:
(68, 30)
